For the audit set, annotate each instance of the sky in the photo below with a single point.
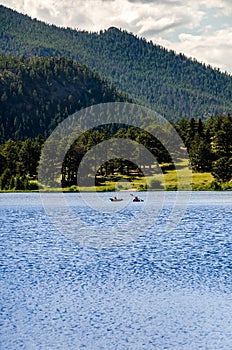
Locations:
(199, 29)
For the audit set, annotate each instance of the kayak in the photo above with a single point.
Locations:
(137, 200)
(116, 199)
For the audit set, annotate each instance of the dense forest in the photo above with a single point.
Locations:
(38, 93)
(171, 84)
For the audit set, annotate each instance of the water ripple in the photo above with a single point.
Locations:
(161, 291)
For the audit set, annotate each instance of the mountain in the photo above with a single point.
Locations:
(38, 93)
(172, 84)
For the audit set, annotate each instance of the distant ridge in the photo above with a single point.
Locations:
(172, 84)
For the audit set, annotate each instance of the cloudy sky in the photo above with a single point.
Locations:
(199, 28)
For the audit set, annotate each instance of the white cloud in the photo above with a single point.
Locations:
(99, 14)
(214, 48)
(224, 7)
(198, 28)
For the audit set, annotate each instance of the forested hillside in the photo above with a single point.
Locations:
(38, 93)
(173, 85)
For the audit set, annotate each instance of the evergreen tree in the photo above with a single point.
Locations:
(5, 179)
(19, 184)
(222, 169)
(200, 155)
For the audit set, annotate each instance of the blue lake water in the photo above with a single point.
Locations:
(156, 289)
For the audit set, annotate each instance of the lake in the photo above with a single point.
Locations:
(81, 272)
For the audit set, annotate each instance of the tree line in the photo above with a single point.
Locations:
(19, 163)
(209, 145)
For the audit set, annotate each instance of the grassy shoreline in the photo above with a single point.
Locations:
(166, 179)
(167, 182)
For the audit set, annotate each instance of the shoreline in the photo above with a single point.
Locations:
(127, 191)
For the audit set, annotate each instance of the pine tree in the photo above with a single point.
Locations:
(200, 155)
